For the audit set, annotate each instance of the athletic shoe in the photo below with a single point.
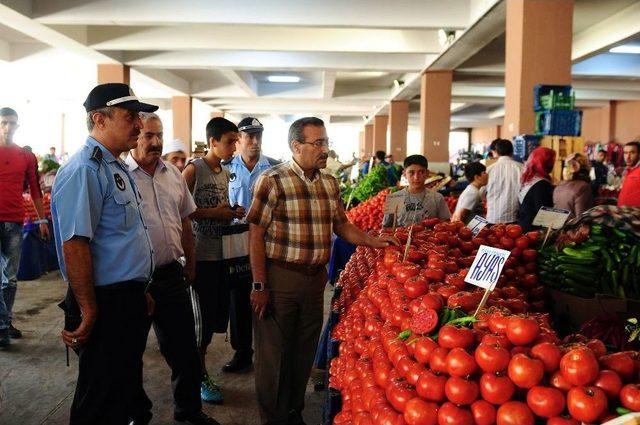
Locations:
(210, 392)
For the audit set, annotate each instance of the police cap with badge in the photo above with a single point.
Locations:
(115, 94)
(250, 125)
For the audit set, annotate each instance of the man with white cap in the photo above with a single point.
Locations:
(175, 152)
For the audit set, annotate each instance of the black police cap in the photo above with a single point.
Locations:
(250, 125)
(115, 94)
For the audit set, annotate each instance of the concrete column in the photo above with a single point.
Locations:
(361, 145)
(538, 51)
(380, 125)
(113, 73)
(398, 126)
(181, 108)
(435, 118)
(368, 140)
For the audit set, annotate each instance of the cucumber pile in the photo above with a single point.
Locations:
(607, 262)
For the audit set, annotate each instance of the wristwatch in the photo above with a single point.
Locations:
(258, 286)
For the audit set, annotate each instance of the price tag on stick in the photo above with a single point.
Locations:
(406, 248)
(486, 269)
(551, 218)
(476, 225)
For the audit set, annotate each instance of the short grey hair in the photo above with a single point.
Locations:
(296, 131)
(145, 116)
(107, 110)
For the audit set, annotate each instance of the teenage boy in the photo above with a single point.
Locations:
(208, 181)
(419, 202)
(470, 201)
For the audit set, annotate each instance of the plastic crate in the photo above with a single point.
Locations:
(553, 98)
(523, 145)
(559, 123)
(332, 406)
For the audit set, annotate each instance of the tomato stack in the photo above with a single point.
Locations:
(368, 215)
(451, 201)
(402, 361)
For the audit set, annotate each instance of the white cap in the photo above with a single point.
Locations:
(174, 146)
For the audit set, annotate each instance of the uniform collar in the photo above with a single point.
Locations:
(300, 172)
(133, 164)
(237, 160)
(106, 154)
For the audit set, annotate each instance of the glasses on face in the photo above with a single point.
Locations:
(320, 143)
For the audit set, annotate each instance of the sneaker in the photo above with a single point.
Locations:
(210, 392)
(237, 364)
(196, 419)
(5, 339)
(14, 333)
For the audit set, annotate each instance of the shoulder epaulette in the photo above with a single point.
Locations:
(96, 155)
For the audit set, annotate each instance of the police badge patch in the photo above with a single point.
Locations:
(232, 177)
(119, 181)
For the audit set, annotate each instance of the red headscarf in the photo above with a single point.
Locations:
(540, 164)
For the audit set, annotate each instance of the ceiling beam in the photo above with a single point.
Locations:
(601, 36)
(328, 84)
(265, 60)
(260, 37)
(5, 51)
(165, 80)
(338, 13)
(243, 80)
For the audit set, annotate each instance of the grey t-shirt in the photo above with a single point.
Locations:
(418, 206)
(210, 190)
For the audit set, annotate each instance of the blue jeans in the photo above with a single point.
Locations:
(10, 248)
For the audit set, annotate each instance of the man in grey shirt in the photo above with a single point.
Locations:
(167, 204)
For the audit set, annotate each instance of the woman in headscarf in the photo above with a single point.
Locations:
(574, 193)
(536, 189)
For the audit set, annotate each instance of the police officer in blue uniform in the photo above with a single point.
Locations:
(106, 257)
(244, 170)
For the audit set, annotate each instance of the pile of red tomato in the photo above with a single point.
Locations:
(451, 201)
(398, 363)
(368, 215)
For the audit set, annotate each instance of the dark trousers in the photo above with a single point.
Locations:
(240, 308)
(286, 341)
(174, 327)
(111, 360)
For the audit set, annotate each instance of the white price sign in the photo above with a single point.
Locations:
(553, 218)
(487, 267)
(476, 224)
(394, 203)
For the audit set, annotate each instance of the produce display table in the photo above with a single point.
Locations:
(37, 257)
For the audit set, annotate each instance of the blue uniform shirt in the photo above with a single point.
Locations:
(241, 181)
(94, 196)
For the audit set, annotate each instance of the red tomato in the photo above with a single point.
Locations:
(630, 397)
(483, 413)
(522, 242)
(438, 360)
(513, 230)
(405, 271)
(597, 347)
(450, 414)
(496, 389)
(451, 337)
(416, 286)
(465, 234)
(522, 330)
(561, 420)
(586, 404)
(524, 371)
(431, 386)
(461, 391)
(420, 412)
(533, 236)
(549, 354)
(423, 348)
(545, 402)
(621, 363)
(579, 366)
(432, 300)
(501, 340)
(498, 323)
(609, 382)
(460, 363)
(492, 357)
(434, 275)
(514, 413)
(558, 381)
(507, 243)
(399, 394)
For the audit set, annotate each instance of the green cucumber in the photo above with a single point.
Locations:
(577, 253)
(576, 260)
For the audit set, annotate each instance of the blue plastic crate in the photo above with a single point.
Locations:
(558, 123)
(523, 145)
(548, 97)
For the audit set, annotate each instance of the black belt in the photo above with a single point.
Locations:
(171, 268)
(305, 269)
(127, 285)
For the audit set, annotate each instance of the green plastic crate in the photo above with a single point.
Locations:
(557, 100)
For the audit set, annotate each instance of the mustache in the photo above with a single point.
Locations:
(154, 149)
(323, 156)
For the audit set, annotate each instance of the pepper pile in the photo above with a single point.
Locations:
(603, 260)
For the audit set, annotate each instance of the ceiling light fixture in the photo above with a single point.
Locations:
(283, 79)
(627, 48)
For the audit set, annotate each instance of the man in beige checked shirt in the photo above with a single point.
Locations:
(294, 212)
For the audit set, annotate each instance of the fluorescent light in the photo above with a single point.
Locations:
(283, 79)
(627, 48)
